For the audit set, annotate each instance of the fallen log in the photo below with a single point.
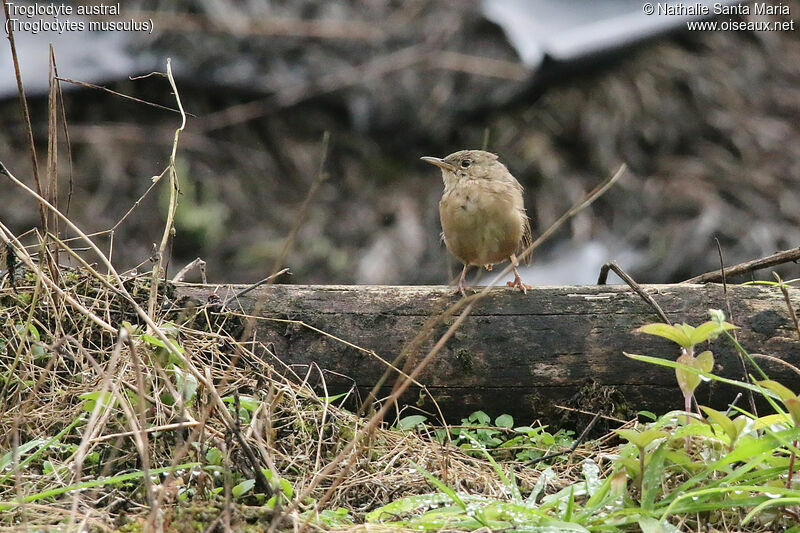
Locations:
(517, 354)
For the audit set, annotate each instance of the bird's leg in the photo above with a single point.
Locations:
(517, 280)
(462, 281)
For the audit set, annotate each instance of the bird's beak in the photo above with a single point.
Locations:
(441, 163)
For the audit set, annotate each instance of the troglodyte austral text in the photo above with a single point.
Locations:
(482, 212)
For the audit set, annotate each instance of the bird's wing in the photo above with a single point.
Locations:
(526, 240)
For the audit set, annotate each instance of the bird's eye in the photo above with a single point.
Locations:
(466, 163)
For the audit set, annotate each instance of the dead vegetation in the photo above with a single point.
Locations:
(120, 405)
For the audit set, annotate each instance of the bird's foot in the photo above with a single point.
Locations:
(462, 288)
(518, 284)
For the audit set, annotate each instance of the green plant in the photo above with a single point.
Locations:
(503, 439)
(687, 337)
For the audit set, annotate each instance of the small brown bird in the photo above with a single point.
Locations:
(482, 212)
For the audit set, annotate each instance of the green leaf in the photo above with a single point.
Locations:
(287, 489)
(153, 341)
(666, 331)
(330, 399)
(545, 477)
(651, 481)
(105, 399)
(7, 458)
(722, 421)
(674, 364)
(243, 488)
(34, 333)
(793, 406)
(214, 456)
(641, 438)
(687, 381)
(407, 505)
(709, 331)
(186, 383)
(651, 525)
(570, 505)
(504, 421)
(480, 417)
(410, 422)
(783, 392)
(705, 361)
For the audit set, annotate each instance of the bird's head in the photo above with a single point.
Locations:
(467, 165)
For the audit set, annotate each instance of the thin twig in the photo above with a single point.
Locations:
(612, 265)
(788, 301)
(255, 286)
(196, 263)
(779, 258)
(724, 278)
(572, 448)
(173, 201)
(127, 97)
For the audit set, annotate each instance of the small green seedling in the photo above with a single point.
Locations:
(687, 337)
(731, 428)
(641, 439)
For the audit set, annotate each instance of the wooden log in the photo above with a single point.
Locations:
(520, 354)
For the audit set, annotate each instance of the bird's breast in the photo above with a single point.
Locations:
(482, 222)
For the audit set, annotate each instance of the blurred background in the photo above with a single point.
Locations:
(707, 121)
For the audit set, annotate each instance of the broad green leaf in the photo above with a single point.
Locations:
(705, 361)
(152, 340)
(641, 438)
(709, 331)
(722, 421)
(770, 420)
(105, 400)
(410, 422)
(666, 331)
(247, 403)
(687, 381)
(748, 448)
(504, 421)
(591, 474)
(214, 456)
(287, 488)
(631, 465)
(687, 330)
(243, 488)
(480, 417)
